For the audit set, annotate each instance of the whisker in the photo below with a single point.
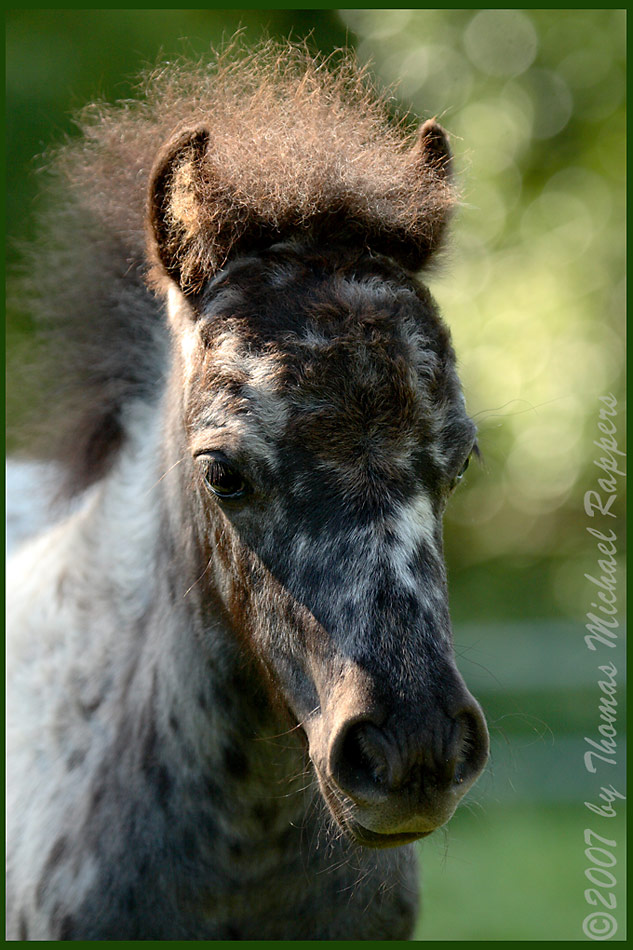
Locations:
(299, 725)
(493, 413)
(198, 579)
(165, 474)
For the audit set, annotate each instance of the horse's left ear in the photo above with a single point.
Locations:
(434, 149)
(432, 201)
(435, 161)
(176, 210)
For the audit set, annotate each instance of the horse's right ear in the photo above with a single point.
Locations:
(176, 210)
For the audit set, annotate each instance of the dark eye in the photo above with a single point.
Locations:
(460, 474)
(462, 470)
(223, 479)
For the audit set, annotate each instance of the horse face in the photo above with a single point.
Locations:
(326, 429)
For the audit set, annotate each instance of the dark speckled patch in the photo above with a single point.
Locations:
(75, 759)
(236, 762)
(66, 928)
(56, 854)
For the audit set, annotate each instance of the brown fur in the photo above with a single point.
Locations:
(287, 146)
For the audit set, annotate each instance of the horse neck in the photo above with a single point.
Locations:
(204, 707)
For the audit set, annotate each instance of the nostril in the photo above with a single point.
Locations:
(360, 763)
(371, 764)
(472, 745)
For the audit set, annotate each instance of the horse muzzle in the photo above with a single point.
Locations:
(389, 777)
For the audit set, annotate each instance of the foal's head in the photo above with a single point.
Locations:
(323, 431)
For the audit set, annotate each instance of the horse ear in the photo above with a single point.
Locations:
(434, 149)
(194, 222)
(434, 161)
(176, 209)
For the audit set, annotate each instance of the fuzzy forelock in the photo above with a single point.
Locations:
(292, 137)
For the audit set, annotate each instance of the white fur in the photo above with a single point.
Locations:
(97, 560)
(414, 524)
(30, 488)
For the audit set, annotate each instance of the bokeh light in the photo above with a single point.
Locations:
(501, 42)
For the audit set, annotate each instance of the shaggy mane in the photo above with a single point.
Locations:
(295, 143)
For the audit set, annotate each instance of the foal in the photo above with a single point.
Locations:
(234, 703)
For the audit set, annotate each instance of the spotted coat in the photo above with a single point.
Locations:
(233, 697)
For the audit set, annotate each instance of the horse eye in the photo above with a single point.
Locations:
(460, 474)
(462, 470)
(223, 480)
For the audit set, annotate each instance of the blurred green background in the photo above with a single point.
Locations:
(533, 289)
